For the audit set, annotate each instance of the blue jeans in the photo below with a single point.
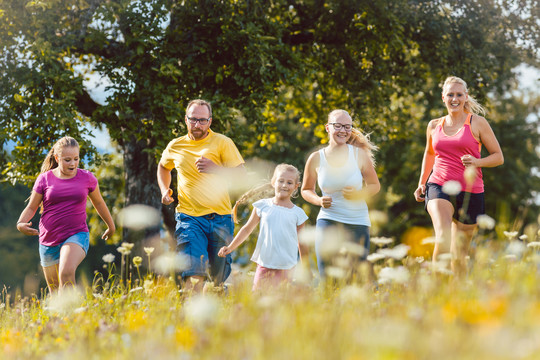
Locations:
(199, 238)
(50, 255)
(358, 234)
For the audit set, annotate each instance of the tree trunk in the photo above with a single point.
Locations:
(141, 185)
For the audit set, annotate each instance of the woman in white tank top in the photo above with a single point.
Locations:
(345, 173)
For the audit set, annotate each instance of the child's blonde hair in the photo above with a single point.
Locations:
(265, 190)
(471, 105)
(50, 160)
(357, 138)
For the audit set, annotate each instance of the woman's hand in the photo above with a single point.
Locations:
(326, 201)
(419, 193)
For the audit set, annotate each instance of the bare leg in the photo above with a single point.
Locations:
(71, 256)
(462, 235)
(52, 278)
(441, 212)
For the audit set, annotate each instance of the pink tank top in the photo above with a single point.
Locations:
(448, 153)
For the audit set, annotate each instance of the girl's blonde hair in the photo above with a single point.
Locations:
(50, 160)
(471, 105)
(357, 138)
(265, 190)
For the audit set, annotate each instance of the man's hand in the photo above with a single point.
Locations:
(166, 198)
(205, 165)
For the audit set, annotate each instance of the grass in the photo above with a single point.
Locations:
(413, 312)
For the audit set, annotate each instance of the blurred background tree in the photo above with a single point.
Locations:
(273, 70)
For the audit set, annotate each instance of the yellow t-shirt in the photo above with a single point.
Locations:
(200, 193)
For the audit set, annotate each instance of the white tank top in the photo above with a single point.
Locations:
(332, 180)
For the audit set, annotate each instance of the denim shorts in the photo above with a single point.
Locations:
(50, 255)
(199, 239)
(359, 234)
(474, 203)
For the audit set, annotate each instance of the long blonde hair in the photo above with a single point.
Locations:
(265, 190)
(471, 105)
(357, 138)
(50, 160)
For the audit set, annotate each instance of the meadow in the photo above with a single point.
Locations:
(397, 306)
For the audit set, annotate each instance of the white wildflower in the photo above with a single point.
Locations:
(397, 252)
(128, 245)
(375, 257)
(148, 250)
(136, 289)
(108, 258)
(534, 245)
(470, 175)
(510, 234)
(516, 248)
(431, 240)
(122, 250)
(171, 262)
(335, 272)
(398, 275)
(451, 187)
(524, 237)
(352, 293)
(307, 236)
(201, 310)
(381, 241)
(485, 222)
(138, 217)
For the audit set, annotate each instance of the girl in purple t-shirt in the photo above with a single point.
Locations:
(62, 189)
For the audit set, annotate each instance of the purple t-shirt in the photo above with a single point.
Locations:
(64, 205)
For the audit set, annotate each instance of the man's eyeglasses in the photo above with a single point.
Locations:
(338, 126)
(201, 121)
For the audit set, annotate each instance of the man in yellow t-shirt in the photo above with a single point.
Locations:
(204, 161)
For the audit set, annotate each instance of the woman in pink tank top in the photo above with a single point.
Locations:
(453, 159)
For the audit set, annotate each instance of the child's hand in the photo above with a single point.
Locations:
(224, 251)
(26, 229)
(108, 234)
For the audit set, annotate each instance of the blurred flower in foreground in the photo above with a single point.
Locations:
(534, 245)
(510, 234)
(399, 275)
(108, 258)
(352, 293)
(485, 222)
(451, 187)
(70, 299)
(375, 257)
(470, 175)
(138, 217)
(516, 248)
(523, 237)
(431, 240)
(397, 252)
(307, 236)
(201, 311)
(381, 241)
(171, 262)
(148, 250)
